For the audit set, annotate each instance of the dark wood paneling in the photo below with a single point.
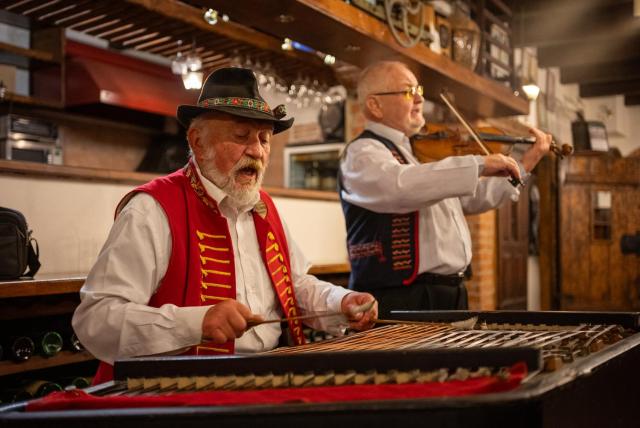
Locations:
(513, 245)
(547, 180)
(601, 72)
(595, 275)
(610, 88)
(632, 100)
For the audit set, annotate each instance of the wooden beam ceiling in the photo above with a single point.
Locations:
(164, 27)
(627, 87)
(601, 72)
(593, 42)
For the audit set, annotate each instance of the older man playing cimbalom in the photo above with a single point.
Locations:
(195, 256)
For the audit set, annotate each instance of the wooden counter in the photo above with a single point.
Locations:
(45, 285)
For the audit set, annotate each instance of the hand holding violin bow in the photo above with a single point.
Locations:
(501, 165)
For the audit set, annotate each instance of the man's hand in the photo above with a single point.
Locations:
(359, 321)
(226, 321)
(539, 149)
(499, 165)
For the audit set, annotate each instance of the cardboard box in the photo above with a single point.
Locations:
(15, 79)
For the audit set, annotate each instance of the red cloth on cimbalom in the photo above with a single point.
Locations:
(201, 269)
(76, 399)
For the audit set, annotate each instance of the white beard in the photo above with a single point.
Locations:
(239, 194)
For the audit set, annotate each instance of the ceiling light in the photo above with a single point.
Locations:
(329, 59)
(193, 62)
(531, 90)
(287, 45)
(192, 80)
(178, 65)
(211, 16)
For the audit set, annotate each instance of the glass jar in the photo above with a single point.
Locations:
(465, 35)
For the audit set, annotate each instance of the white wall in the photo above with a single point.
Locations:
(71, 220)
(622, 122)
(623, 128)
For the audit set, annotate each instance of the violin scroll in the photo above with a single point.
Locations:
(562, 151)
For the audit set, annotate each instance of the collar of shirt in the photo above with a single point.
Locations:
(397, 137)
(221, 197)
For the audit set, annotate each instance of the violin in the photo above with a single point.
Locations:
(440, 142)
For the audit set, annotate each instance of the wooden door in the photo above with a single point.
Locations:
(599, 200)
(513, 250)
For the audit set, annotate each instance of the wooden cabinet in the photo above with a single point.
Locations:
(45, 61)
(597, 202)
(33, 299)
(35, 303)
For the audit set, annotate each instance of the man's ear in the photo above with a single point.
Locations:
(372, 105)
(195, 142)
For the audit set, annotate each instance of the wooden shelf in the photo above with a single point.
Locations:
(330, 269)
(36, 54)
(74, 172)
(31, 101)
(53, 284)
(37, 362)
(354, 36)
(132, 177)
(41, 287)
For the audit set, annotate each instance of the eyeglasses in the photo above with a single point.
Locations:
(408, 93)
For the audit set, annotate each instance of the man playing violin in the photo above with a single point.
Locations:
(408, 241)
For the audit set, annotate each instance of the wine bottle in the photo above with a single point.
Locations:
(20, 348)
(49, 343)
(40, 388)
(79, 382)
(74, 343)
(14, 395)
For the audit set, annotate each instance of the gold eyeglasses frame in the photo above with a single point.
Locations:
(408, 93)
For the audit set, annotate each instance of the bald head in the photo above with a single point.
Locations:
(378, 77)
(381, 93)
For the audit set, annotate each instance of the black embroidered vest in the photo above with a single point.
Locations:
(383, 248)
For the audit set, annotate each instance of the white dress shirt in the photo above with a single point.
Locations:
(113, 320)
(442, 192)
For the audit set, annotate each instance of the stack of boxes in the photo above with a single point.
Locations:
(14, 69)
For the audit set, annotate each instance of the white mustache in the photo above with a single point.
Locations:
(249, 163)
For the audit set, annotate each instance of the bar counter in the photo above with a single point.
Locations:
(50, 284)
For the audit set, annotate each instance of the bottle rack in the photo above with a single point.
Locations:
(32, 303)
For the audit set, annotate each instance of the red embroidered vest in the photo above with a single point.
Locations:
(201, 269)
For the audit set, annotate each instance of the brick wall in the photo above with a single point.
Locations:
(482, 286)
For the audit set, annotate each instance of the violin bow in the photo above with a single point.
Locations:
(514, 181)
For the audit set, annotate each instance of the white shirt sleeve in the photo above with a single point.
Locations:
(113, 319)
(491, 193)
(313, 294)
(375, 180)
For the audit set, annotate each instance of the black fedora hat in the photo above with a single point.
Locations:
(234, 91)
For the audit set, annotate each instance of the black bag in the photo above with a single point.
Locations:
(16, 250)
